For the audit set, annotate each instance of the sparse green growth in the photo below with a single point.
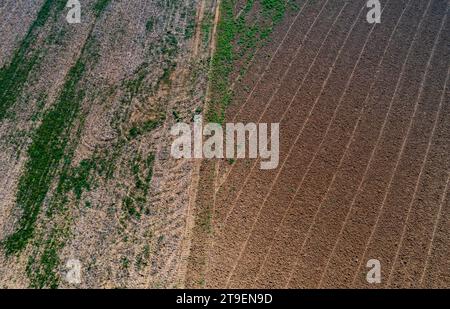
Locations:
(132, 86)
(207, 24)
(237, 40)
(79, 178)
(205, 221)
(42, 272)
(274, 9)
(44, 155)
(165, 78)
(143, 257)
(176, 116)
(201, 282)
(100, 6)
(130, 208)
(125, 262)
(149, 25)
(48, 147)
(190, 27)
(135, 203)
(13, 76)
(293, 6)
(40, 104)
(145, 127)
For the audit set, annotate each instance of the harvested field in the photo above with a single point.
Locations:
(364, 155)
(85, 117)
(89, 182)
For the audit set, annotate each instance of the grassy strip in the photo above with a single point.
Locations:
(44, 276)
(43, 262)
(53, 136)
(222, 64)
(14, 76)
(45, 154)
(236, 38)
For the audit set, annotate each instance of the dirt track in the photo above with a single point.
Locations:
(364, 154)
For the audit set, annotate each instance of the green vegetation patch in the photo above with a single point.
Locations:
(46, 151)
(134, 204)
(44, 155)
(150, 24)
(100, 6)
(14, 75)
(41, 268)
(237, 40)
(222, 63)
(147, 126)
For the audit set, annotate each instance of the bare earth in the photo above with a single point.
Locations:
(364, 155)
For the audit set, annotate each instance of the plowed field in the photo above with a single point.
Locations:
(364, 155)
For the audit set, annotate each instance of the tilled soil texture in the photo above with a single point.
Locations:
(364, 155)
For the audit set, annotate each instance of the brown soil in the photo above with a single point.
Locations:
(364, 156)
